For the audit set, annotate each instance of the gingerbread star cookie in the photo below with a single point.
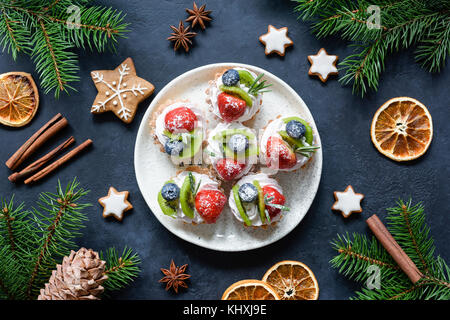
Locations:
(347, 201)
(120, 91)
(276, 40)
(115, 203)
(322, 65)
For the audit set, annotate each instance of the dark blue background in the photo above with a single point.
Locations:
(342, 119)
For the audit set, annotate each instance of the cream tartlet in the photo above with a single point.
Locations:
(257, 200)
(179, 127)
(232, 150)
(192, 196)
(287, 144)
(236, 94)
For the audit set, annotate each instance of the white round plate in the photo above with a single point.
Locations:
(153, 167)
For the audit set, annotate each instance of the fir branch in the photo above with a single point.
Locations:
(47, 31)
(58, 228)
(405, 23)
(120, 269)
(406, 222)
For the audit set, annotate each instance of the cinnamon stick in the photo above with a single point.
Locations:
(47, 131)
(58, 163)
(393, 248)
(35, 166)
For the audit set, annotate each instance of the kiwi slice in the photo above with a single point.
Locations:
(308, 133)
(187, 198)
(261, 203)
(172, 136)
(168, 208)
(239, 205)
(239, 92)
(191, 149)
(246, 78)
(295, 143)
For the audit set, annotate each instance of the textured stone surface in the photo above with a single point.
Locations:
(343, 121)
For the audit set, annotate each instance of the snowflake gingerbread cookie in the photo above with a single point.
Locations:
(276, 40)
(115, 203)
(322, 65)
(120, 91)
(347, 201)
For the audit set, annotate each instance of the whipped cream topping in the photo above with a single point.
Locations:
(214, 91)
(252, 208)
(272, 129)
(215, 151)
(160, 125)
(206, 183)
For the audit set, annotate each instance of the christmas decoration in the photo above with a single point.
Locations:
(402, 129)
(198, 15)
(19, 99)
(322, 65)
(120, 91)
(115, 203)
(347, 201)
(80, 277)
(181, 36)
(49, 30)
(32, 242)
(358, 255)
(175, 277)
(378, 28)
(276, 40)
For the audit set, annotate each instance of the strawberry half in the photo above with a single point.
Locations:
(279, 154)
(229, 168)
(230, 107)
(209, 204)
(180, 119)
(278, 198)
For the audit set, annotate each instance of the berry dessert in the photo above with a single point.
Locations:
(236, 94)
(179, 128)
(287, 143)
(257, 200)
(192, 196)
(232, 150)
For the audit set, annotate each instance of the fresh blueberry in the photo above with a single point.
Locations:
(173, 147)
(238, 143)
(230, 77)
(248, 192)
(170, 191)
(295, 129)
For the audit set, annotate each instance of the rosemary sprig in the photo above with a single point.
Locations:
(258, 87)
(274, 205)
(305, 151)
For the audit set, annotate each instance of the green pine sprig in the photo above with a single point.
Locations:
(121, 269)
(50, 30)
(33, 241)
(403, 24)
(357, 253)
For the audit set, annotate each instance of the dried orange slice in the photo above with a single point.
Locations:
(19, 99)
(402, 129)
(292, 280)
(250, 290)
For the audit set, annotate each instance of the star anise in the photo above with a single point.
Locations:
(198, 15)
(175, 277)
(181, 36)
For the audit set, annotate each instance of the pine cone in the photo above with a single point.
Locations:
(80, 277)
